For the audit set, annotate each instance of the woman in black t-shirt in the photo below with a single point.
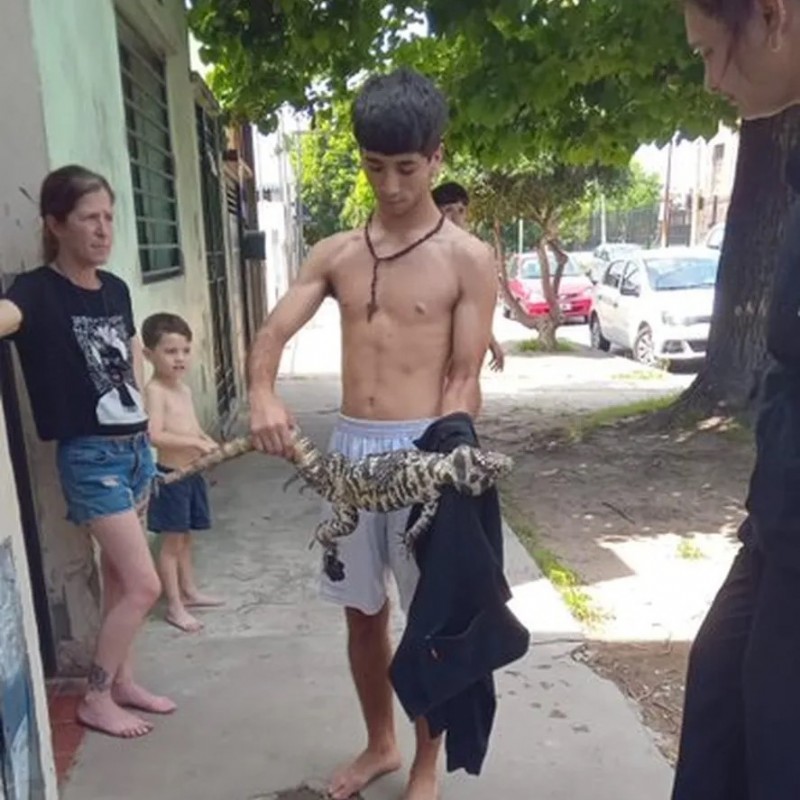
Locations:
(742, 710)
(73, 327)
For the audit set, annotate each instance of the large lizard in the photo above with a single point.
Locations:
(382, 482)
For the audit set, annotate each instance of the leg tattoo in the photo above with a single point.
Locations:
(99, 679)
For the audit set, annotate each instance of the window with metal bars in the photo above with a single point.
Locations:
(144, 89)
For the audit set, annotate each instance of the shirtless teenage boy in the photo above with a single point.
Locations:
(180, 507)
(453, 201)
(415, 323)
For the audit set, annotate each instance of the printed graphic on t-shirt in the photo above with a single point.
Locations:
(106, 348)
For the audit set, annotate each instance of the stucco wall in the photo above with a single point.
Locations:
(22, 161)
(79, 95)
(20, 662)
(76, 43)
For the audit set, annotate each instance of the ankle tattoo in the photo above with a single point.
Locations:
(99, 679)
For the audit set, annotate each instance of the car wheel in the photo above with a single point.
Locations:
(599, 342)
(643, 348)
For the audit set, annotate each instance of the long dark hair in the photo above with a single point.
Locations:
(61, 191)
(733, 13)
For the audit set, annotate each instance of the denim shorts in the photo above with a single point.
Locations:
(179, 507)
(104, 475)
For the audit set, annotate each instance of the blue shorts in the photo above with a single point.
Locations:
(104, 475)
(179, 507)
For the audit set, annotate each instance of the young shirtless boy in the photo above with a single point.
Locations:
(416, 295)
(453, 201)
(178, 438)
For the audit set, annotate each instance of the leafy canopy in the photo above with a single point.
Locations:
(588, 80)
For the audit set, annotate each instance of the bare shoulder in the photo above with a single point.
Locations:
(327, 253)
(154, 391)
(470, 255)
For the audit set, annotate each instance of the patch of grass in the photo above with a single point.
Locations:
(730, 427)
(689, 550)
(535, 346)
(566, 581)
(638, 375)
(582, 426)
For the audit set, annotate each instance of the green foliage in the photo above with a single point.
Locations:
(359, 202)
(535, 346)
(587, 81)
(640, 190)
(334, 190)
(270, 52)
(545, 192)
(689, 550)
(590, 80)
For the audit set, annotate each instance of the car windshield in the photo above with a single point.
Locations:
(686, 272)
(530, 269)
(619, 250)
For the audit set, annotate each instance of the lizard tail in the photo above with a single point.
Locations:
(225, 452)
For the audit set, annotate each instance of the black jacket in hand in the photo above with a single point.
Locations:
(459, 628)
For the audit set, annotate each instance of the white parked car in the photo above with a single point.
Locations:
(657, 304)
(715, 236)
(604, 254)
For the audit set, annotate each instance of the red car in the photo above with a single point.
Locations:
(575, 292)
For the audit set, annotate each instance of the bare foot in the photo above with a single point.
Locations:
(100, 713)
(183, 621)
(200, 600)
(135, 696)
(369, 766)
(422, 786)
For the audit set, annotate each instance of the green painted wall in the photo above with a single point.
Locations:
(80, 97)
(76, 45)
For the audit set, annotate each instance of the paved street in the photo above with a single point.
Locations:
(265, 698)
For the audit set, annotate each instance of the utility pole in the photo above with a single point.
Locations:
(520, 236)
(695, 220)
(299, 194)
(603, 220)
(667, 192)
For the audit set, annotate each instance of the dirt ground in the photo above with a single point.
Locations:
(647, 523)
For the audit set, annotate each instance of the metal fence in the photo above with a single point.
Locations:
(638, 226)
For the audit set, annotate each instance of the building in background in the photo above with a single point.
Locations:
(280, 211)
(697, 177)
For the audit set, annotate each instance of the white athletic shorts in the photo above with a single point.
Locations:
(375, 548)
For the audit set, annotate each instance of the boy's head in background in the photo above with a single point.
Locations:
(168, 345)
(453, 201)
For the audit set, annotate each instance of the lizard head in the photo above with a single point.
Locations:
(474, 470)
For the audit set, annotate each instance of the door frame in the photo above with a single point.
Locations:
(27, 509)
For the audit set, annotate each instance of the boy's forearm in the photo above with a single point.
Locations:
(138, 362)
(167, 440)
(462, 394)
(265, 358)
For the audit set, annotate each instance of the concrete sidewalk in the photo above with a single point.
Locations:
(266, 702)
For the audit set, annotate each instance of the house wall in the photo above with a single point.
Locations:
(76, 76)
(80, 94)
(22, 161)
(717, 174)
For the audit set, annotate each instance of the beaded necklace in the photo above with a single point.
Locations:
(372, 306)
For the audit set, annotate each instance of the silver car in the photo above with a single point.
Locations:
(657, 304)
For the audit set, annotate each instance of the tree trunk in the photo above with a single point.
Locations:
(547, 334)
(737, 356)
(552, 286)
(499, 247)
(518, 313)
